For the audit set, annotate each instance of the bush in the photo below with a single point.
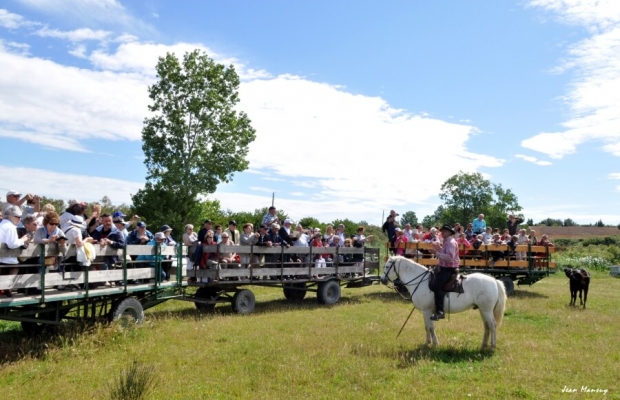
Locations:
(135, 383)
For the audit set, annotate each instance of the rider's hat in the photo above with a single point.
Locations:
(447, 227)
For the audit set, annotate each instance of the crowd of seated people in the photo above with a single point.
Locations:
(471, 240)
(271, 233)
(25, 221)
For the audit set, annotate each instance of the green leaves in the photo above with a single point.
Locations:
(194, 138)
(466, 195)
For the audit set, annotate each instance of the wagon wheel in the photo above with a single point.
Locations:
(243, 302)
(295, 291)
(206, 294)
(328, 292)
(508, 284)
(127, 311)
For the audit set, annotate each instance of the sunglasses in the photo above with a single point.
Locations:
(54, 223)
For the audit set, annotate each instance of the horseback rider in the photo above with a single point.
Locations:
(448, 256)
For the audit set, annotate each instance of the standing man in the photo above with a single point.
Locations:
(513, 224)
(480, 225)
(389, 227)
(270, 218)
(448, 255)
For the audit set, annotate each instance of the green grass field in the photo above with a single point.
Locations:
(347, 351)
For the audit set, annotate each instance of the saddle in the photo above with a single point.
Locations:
(455, 284)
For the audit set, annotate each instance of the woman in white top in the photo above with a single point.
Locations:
(303, 240)
(190, 239)
(248, 238)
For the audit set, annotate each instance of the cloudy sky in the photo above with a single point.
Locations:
(359, 106)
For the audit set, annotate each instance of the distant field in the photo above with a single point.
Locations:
(347, 351)
(575, 232)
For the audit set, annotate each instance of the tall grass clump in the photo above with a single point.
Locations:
(135, 383)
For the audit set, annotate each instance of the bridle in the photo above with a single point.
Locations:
(420, 278)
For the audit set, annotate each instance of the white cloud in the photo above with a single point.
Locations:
(42, 101)
(600, 13)
(594, 95)
(141, 57)
(533, 160)
(67, 186)
(614, 175)
(12, 21)
(92, 12)
(78, 51)
(77, 35)
(18, 48)
(311, 119)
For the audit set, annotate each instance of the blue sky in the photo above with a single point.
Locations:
(359, 107)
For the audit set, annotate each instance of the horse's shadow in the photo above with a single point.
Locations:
(409, 358)
(523, 294)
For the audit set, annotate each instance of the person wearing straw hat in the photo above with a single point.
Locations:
(448, 257)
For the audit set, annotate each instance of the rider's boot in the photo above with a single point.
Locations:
(437, 316)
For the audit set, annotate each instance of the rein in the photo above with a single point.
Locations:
(421, 279)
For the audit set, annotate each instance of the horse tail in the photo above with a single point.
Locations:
(500, 306)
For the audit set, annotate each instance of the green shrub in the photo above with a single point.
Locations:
(135, 383)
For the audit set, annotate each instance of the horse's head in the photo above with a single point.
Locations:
(389, 271)
(568, 272)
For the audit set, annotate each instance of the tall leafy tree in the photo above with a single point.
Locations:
(409, 217)
(466, 195)
(194, 138)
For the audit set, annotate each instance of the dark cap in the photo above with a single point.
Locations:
(262, 226)
(272, 208)
(141, 224)
(207, 221)
(165, 228)
(232, 222)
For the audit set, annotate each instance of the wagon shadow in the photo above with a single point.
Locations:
(262, 307)
(16, 345)
(410, 358)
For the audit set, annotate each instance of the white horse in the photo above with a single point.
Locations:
(480, 290)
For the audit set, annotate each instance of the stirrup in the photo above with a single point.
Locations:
(438, 316)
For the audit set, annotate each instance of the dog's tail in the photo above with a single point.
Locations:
(500, 305)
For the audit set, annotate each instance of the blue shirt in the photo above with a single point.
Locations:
(479, 226)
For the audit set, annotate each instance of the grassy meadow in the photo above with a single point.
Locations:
(347, 351)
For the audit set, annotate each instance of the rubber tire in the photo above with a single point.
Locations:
(295, 294)
(128, 307)
(508, 284)
(328, 292)
(243, 302)
(205, 293)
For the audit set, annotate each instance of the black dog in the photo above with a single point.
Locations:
(579, 280)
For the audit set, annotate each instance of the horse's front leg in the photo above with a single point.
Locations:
(580, 299)
(429, 326)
